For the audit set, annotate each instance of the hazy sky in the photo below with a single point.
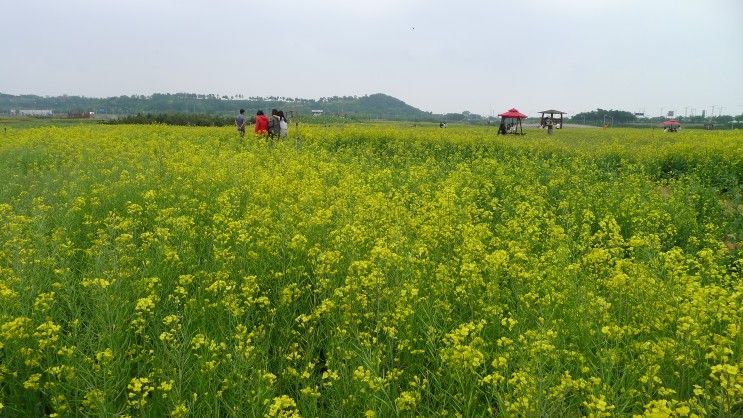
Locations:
(442, 56)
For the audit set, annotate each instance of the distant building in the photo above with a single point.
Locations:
(80, 115)
(32, 112)
(317, 112)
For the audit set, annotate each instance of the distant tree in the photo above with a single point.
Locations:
(723, 119)
(618, 116)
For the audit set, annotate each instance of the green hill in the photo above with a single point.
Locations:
(374, 106)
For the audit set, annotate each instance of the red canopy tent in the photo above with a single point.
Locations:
(671, 125)
(513, 127)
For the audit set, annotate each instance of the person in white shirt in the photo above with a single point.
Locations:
(283, 125)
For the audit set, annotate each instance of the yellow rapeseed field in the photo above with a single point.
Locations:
(370, 271)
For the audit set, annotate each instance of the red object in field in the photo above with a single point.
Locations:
(261, 124)
(671, 122)
(513, 113)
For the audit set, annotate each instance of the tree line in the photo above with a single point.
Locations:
(374, 106)
(180, 119)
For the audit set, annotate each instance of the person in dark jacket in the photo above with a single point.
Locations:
(240, 123)
(274, 128)
(502, 128)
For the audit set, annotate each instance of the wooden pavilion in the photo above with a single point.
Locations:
(510, 122)
(548, 115)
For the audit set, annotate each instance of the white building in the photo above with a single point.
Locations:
(33, 112)
(317, 112)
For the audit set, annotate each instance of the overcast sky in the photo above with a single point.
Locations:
(443, 56)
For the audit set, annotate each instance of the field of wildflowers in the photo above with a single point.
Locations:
(370, 270)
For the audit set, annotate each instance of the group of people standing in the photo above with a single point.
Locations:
(275, 127)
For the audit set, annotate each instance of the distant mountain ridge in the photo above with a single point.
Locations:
(373, 106)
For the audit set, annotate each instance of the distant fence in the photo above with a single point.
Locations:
(653, 125)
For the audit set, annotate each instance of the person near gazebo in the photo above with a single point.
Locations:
(516, 127)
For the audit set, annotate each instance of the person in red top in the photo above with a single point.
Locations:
(261, 123)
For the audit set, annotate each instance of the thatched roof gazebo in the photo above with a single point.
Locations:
(548, 115)
(511, 122)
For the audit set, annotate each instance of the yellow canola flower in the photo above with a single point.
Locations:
(366, 377)
(96, 282)
(47, 334)
(179, 411)
(598, 407)
(283, 407)
(32, 382)
(407, 401)
(464, 347)
(6, 292)
(139, 390)
(16, 328)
